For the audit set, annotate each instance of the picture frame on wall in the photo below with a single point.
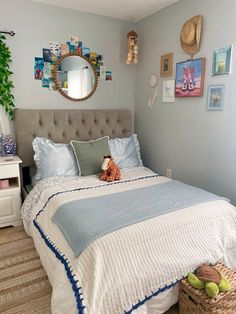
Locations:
(190, 77)
(221, 60)
(215, 99)
(166, 65)
(168, 91)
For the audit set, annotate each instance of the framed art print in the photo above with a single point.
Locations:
(168, 91)
(190, 76)
(215, 98)
(221, 60)
(166, 65)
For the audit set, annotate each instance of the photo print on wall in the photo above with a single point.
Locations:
(190, 78)
(43, 66)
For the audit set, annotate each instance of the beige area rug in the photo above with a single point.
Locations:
(24, 286)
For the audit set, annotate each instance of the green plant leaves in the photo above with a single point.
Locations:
(6, 85)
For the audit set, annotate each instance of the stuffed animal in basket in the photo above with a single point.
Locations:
(208, 278)
(111, 171)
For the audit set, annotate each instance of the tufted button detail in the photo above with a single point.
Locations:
(118, 121)
(102, 132)
(34, 135)
(90, 132)
(113, 132)
(49, 135)
(107, 120)
(40, 122)
(69, 121)
(63, 134)
(55, 123)
(95, 121)
(83, 121)
(77, 133)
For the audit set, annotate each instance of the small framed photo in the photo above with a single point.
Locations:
(215, 99)
(168, 91)
(166, 65)
(221, 61)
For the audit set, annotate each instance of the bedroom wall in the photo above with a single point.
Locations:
(199, 146)
(37, 24)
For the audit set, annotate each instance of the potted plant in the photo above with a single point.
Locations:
(6, 85)
(7, 143)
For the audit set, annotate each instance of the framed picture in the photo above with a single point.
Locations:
(168, 91)
(190, 76)
(221, 60)
(215, 98)
(166, 65)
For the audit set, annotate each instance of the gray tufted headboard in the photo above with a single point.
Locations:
(63, 125)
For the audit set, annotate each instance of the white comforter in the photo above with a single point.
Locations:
(118, 270)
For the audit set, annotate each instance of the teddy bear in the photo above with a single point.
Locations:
(111, 171)
(208, 278)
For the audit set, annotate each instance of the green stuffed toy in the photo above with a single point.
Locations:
(210, 279)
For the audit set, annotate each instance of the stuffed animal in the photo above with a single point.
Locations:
(208, 278)
(111, 171)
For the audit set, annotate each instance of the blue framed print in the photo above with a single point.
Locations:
(221, 60)
(215, 98)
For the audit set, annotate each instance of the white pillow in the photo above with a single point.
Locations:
(53, 159)
(126, 151)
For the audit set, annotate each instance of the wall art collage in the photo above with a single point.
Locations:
(190, 74)
(43, 66)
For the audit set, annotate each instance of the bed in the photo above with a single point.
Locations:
(132, 269)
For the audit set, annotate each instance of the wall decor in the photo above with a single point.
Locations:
(108, 75)
(153, 81)
(168, 91)
(215, 99)
(190, 36)
(74, 76)
(52, 60)
(132, 56)
(190, 78)
(221, 60)
(166, 65)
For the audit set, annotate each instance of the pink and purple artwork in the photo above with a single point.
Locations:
(190, 78)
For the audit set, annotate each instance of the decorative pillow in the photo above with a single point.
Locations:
(53, 159)
(89, 155)
(126, 151)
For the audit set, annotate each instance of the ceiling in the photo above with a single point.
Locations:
(131, 10)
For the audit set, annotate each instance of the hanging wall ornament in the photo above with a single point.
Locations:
(190, 36)
(153, 81)
(132, 56)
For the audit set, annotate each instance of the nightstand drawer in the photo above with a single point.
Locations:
(9, 171)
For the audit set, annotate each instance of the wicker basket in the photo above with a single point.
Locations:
(194, 301)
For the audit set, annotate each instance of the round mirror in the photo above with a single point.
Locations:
(75, 77)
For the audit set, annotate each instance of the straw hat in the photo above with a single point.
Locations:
(190, 35)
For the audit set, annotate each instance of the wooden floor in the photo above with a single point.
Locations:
(24, 286)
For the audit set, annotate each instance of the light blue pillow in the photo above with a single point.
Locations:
(126, 151)
(53, 159)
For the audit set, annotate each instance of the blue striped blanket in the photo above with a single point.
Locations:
(85, 220)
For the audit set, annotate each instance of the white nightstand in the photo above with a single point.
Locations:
(10, 197)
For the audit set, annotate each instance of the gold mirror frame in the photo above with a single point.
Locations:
(57, 84)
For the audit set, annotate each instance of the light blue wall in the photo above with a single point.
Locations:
(198, 146)
(36, 25)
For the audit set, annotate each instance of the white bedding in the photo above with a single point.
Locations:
(211, 227)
